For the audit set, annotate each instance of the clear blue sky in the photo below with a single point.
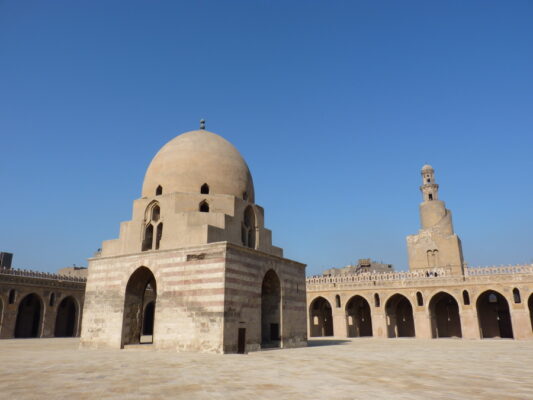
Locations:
(335, 105)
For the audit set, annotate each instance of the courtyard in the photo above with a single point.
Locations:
(364, 368)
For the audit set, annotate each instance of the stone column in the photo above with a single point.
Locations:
(339, 322)
(521, 322)
(422, 324)
(379, 322)
(469, 323)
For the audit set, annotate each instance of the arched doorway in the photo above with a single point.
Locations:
(400, 321)
(141, 286)
(320, 318)
(29, 317)
(66, 319)
(148, 319)
(270, 310)
(358, 318)
(530, 305)
(444, 314)
(493, 315)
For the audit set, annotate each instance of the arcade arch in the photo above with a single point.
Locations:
(29, 317)
(320, 318)
(444, 315)
(400, 321)
(493, 315)
(358, 317)
(66, 318)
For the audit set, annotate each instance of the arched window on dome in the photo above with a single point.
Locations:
(156, 213)
(245, 195)
(148, 237)
(249, 228)
(204, 206)
(204, 189)
(158, 235)
(153, 228)
(159, 190)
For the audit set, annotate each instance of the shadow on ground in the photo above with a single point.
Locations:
(326, 342)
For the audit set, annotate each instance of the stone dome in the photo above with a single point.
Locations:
(197, 157)
(427, 167)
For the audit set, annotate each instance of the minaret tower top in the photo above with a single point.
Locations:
(429, 188)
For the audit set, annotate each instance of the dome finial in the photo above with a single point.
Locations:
(202, 124)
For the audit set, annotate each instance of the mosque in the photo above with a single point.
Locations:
(195, 270)
(197, 255)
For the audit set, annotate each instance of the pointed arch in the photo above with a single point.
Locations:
(320, 317)
(203, 206)
(249, 228)
(29, 317)
(204, 189)
(358, 317)
(270, 310)
(159, 190)
(140, 286)
(148, 237)
(493, 315)
(400, 320)
(444, 314)
(66, 318)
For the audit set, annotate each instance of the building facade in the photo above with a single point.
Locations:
(37, 304)
(438, 297)
(197, 248)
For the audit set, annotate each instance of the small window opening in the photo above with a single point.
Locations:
(52, 299)
(516, 296)
(244, 196)
(419, 299)
(148, 238)
(12, 296)
(204, 189)
(156, 213)
(204, 206)
(338, 301)
(493, 298)
(376, 300)
(428, 180)
(158, 235)
(159, 190)
(430, 196)
(466, 298)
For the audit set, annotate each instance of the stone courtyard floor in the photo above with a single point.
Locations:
(328, 369)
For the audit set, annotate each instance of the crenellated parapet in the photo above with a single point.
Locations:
(420, 277)
(41, 278)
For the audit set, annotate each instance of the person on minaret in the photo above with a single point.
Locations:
(436, 245)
